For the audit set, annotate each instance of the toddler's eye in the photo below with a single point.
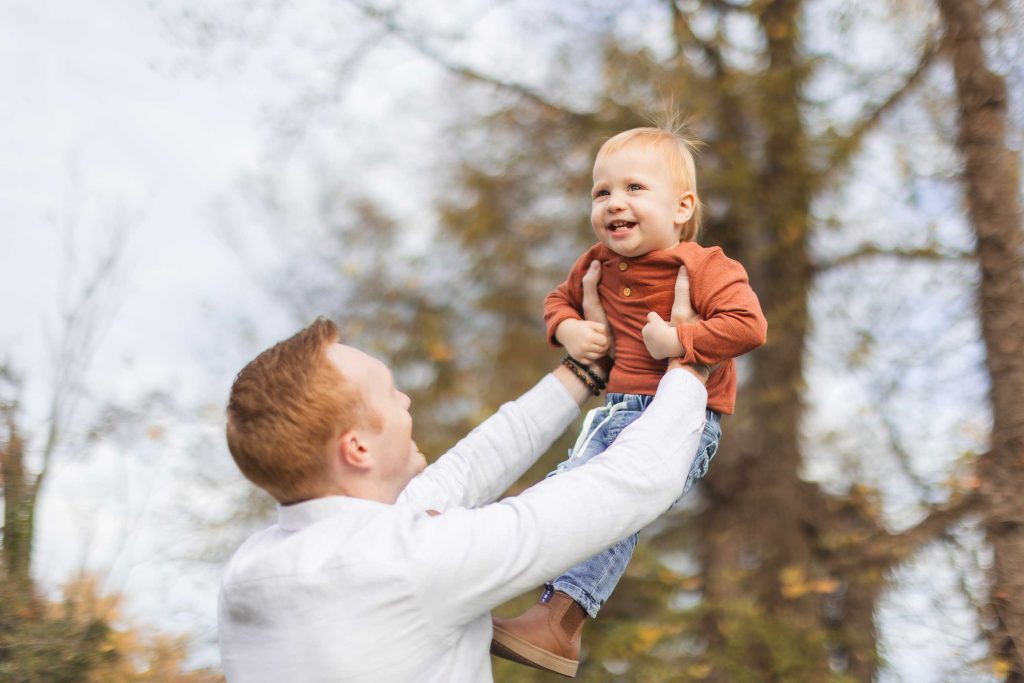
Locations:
(633, 187)
(600, 193)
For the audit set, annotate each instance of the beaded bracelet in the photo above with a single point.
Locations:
(593, 382)
(590, 373)
(582, 376)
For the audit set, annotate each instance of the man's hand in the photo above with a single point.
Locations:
(593, 311)
(660, 337)
(682, 312)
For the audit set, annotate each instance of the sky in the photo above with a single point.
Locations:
(103, 131)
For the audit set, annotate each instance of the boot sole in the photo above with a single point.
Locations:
(515, 649)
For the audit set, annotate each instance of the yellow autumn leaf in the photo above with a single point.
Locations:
(698, 671)
(646, 638)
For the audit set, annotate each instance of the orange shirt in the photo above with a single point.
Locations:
(731, 319)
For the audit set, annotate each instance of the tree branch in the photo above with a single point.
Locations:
(844, 148)
(871, 251)
(889, 550)
(387, 20)
(684, 34)
(838, 523)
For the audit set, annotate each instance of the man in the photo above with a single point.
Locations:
(360, 579)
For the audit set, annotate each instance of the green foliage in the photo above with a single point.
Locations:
(74, 640)
(37, 647)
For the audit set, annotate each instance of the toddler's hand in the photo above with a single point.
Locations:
(660, 338)
(585, 340)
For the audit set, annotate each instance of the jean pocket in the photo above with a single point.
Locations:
(709, 441)
(619, 421)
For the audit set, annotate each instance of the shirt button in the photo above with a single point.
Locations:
(623, 265)
(626, 291)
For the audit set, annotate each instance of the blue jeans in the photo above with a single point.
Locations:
(591, 582)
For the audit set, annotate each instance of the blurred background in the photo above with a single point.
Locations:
(183, 183)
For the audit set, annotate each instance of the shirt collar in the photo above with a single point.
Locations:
(300, 515)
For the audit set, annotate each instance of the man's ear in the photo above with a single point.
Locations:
(352, 450)
(685, 206)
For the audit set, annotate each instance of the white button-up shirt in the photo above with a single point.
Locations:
(345, 589)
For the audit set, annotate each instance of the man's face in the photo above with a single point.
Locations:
(635, 207)
(396, 456)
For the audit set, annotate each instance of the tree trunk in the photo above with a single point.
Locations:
(992, 189)
(18, 511)
(758, 559)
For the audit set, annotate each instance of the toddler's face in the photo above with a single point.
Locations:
(636, 207)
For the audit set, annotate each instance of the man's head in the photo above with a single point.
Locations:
(310, 417)
(645, 191)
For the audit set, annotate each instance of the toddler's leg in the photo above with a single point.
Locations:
(591, 582)
(709, 440)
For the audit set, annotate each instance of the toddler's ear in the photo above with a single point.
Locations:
(685, 206)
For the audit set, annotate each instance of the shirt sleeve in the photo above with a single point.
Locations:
(473, 560)
(732, 322)
(480, 467)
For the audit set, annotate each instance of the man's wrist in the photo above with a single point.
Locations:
(698, 370)
(591, 376)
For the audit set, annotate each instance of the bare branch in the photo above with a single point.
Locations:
(894, 548)
(84, 317)
(844, 148)
(684, 34)
(873, 251)
(896, 443)
(879, 549)
(467, 72)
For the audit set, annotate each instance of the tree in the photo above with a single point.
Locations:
(82, 637)
(991, 180)
(83, 317)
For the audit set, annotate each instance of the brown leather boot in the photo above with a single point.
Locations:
(546, 636)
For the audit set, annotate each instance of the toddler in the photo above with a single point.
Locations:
(646, 216)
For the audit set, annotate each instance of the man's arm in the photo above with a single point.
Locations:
(493, 456)
(484, 464)
(480, 467)
(474, 560)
